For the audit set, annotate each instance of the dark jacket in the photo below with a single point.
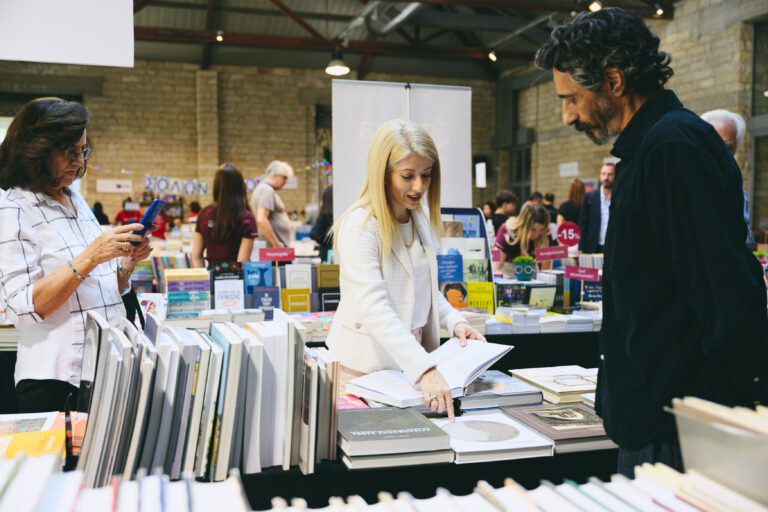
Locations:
(319, 234)
(589, 222)
(684, 299)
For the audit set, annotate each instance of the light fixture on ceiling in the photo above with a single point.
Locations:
(219, 35)
(595, 6)
(492, 56)
(337, 67)
(659, 10)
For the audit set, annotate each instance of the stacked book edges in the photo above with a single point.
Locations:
(560, 384)
(204, 403)
(36, 484)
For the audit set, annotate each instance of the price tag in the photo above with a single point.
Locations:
(551, 253)
(568, 233)
(277, 254)
(585, 274)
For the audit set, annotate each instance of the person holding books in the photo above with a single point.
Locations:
(225, 229)
(57, 262)
(391, 310)
(521, 236)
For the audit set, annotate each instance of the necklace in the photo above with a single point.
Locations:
(413, 233)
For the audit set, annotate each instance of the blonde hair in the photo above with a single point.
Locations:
(519, 228)
(392, 142)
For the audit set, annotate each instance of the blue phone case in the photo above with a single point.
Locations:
(149, 217)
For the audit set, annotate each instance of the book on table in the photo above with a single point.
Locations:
(493, 436)
(388, 430)
(560, 384)
(497, 389)
(572, 427)
(458, 365)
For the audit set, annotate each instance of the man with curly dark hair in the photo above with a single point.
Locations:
(684, 303)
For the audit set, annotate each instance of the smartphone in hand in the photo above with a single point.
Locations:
(149, 217)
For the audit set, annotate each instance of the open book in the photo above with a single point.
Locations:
(459, 366)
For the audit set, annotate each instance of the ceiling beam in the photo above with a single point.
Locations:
(233, 9)
(140, 4)
(405, 50)
(430, 18)
(297, 19)
(544, 5)
(205, 59)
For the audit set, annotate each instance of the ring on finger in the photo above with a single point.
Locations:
(433, 398)
(124, 246)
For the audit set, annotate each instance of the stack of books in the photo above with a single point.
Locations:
(143, 277)
(9, 336)
(163, 260)
(560, 384)
(591, 260)
(525, 320)
(389, 436)
(493, 436)
(188, 292)
(553, 322)
(571, 427)
(318, 324)
(475, 317)
(493, 389)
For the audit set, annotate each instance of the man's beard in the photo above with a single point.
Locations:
(604, 113)
(607, 185)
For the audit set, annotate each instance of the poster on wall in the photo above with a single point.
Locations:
(109, 186)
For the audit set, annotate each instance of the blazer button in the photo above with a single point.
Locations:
(358, 325)
(602, 357)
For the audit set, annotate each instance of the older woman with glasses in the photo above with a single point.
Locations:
(57, 263)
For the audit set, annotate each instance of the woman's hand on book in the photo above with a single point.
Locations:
(464, 331)
(437, 394)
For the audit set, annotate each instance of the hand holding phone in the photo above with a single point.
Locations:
(149, 217)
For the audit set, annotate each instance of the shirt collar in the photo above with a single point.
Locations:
(649, 112)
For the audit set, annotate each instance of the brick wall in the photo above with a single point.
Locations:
(711, 48)
(174, 120)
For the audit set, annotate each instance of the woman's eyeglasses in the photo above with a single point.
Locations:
(73, 153)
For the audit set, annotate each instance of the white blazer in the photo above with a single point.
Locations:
(371, 328)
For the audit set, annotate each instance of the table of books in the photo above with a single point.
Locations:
(334, 479)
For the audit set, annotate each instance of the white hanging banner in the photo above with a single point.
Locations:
(108, 186)
(446, 113)
(87, 32)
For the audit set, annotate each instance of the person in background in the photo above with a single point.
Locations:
(594, 212)
(731, 127)
(506, 202)
(684, 300)
(391, 309)
(127, 216)
(225, 229)
(274, 226)
(57, 261)
(521, 236)
(98, 212)
(569, 210)
(194, 211)
(488, 208)
(323, 224)
(536, 197)
(161, 225)
(549, 204)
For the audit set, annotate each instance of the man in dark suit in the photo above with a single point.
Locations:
(593, 217)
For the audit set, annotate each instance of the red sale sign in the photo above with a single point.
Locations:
(551, 253)
(568, 233)
(277, 254)
(585, 274)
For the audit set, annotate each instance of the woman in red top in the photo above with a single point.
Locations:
(225, 229)
(124, 216)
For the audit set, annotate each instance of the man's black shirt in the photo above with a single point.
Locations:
(684, 299)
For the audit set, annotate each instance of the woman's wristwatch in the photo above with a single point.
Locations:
(122, 269)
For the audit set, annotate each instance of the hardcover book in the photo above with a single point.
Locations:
(266, 299)
(480, 295)
(476, 270)
(294, 300)
(452, 229)
(327, 276)
(388, 430)
(227, 288)
(257, 274)
(572, 427)
(560, 383)
(329, 298)
(470, 225)
(497, 389)
(455, 293)
(298, 276)
(449, 268)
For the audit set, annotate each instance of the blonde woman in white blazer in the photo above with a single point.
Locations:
(391, 310)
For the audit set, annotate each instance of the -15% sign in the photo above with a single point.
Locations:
(568, 233)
